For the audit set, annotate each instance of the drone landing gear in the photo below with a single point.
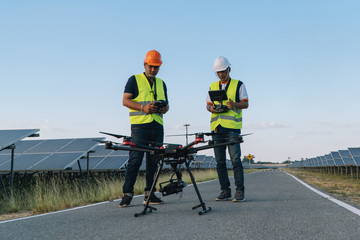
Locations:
(149, 209)
(202, 204)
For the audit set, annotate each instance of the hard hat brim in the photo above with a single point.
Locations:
(153, 64)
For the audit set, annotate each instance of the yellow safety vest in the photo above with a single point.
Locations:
(145, 96)
(232, 118)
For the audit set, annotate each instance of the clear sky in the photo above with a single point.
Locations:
(64, 65)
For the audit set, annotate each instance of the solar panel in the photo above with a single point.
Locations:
(307, 163)
(355, 153)
(93, 161)
(102, 163)
(9, 137)
(320, 162)
(51, 154)
(313, 162)
(337, 159)
(45, 146)
(229, 164)
(24, 162)
(25, 145)
(4, 159)
(57, 162)
(207, 162)
(346, 157)
(120, 153)
(199, 158)
(357, 160)
(330, 160)
(100, 151)
(324, 161)
(80, 145)
(112, 162)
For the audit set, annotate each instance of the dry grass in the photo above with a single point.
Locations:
(60, 194)
(343, 187)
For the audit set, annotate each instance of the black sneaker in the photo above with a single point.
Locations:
(125, 201)
(239, 196)
(224, 195)
(154, 200)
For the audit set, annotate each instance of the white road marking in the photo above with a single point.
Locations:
(338, 202)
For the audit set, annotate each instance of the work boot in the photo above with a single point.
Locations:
(154, 200)
(125, 201)
(224, 195)
(239, 196)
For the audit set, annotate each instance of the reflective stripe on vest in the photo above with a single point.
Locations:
(232, 118)
(145, 96)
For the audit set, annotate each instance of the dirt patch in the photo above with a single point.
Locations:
(14, 215)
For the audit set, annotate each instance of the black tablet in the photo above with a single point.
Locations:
(218, 95)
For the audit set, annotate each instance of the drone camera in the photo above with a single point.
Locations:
(171, 187)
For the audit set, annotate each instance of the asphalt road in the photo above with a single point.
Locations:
(276, 207)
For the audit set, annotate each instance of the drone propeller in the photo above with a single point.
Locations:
(199, 133)
(115, 135)
(242, 135)
(103, 141)
(130, 139)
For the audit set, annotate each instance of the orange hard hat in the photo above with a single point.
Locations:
(153, 58)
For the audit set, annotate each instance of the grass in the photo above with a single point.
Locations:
(341, 186)
(59, 193)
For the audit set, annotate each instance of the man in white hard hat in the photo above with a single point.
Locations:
(228, 122)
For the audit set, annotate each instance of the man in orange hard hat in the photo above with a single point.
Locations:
(146, 97)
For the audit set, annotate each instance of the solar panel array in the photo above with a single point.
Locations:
(349, 157)
(47, 155)
(71, 154)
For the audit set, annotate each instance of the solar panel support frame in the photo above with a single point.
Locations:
(87, 164)
(3, 185)
(12, 148)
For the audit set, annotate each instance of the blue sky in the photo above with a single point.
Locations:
(64, 65)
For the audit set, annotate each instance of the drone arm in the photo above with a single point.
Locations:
(120, 147)
(189, 145)
(217, 145)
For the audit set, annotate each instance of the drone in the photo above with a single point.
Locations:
(174, 155)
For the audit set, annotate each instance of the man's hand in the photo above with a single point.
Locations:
(150, 108)
(230, 104)
(164, 110)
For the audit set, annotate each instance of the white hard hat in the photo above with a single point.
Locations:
(221, 64)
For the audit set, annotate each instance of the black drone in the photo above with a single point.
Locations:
(173, 155)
